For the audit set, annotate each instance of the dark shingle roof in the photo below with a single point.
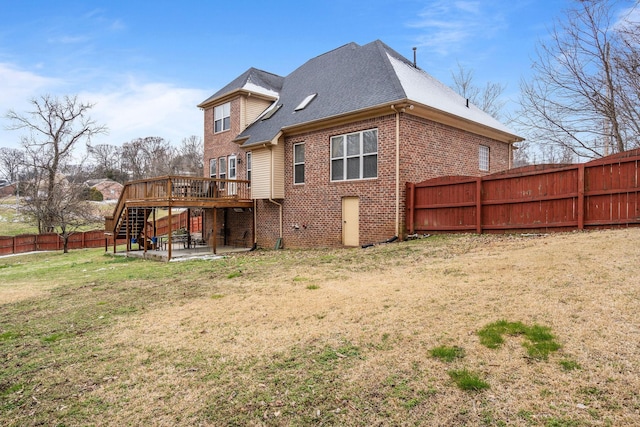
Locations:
(349, 78)
(251, 77)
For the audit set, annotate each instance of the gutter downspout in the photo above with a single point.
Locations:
(397, 169)
(255, 218)
(271, 192)
(280, 208)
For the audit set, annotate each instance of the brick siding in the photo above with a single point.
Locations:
(312, 212)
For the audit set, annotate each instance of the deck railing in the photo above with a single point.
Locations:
(178, 191)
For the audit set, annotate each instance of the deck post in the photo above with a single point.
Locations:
(169, 242)
(144, 231)
(128, 230)
(215, 226)
(188, 227)
(155, 227)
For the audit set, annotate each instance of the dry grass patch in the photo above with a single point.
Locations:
(335, 337)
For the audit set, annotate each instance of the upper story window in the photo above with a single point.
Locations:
(298, 163)
(222, 117)
(213, 170)
(354, 156)
(483, 156)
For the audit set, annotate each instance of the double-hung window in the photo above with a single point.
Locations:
(213, 170)
(298, 163)
(354, 156)
(222, 170)
(483, 156)
(222, 117)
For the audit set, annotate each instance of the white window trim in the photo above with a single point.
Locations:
(222, 164)
(299, 163)
(484, 158)
(232, 160)
(220, 113)
(345, 156)
(232, 174)
(213, 167)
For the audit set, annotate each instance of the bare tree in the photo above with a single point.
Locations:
(55, 126)
(486, 98)
(64, 207)
(521, 154)
(147, 157)
(11, 162)
(576, 99)
(627, 67)
(107, 161)
(189, 158)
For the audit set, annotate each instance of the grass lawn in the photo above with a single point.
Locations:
(14, 223)
(434, 332)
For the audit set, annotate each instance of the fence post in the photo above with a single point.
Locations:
(410, 206)
(581, 185)
(479, 205)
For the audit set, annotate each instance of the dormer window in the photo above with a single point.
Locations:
(222, 118)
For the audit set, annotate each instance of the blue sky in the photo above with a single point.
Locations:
(146, 65)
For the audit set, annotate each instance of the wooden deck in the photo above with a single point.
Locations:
(140, 198)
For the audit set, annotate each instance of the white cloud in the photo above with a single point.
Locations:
(449, 25)
(628, 19)
(137, 110)
(129, 108)
(18, 86)
(67, 39)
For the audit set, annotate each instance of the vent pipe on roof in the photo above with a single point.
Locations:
(467, 102)
(415, 64)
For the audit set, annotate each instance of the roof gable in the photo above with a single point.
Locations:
(423, 88)
(253, 80)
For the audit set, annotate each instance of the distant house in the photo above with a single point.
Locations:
(328, 148)
(7, 188)
(109, 189)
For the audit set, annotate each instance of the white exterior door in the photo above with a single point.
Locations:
(233, 174)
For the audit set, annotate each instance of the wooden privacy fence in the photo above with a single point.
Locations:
(50, 242)
(83, 240)
(603, 193)
(177, 222)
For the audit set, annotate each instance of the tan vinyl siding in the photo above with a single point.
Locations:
(253, 108)
(267, 172)
(261, 174)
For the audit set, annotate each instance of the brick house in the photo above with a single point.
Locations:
(328, 148)
(109, 188)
